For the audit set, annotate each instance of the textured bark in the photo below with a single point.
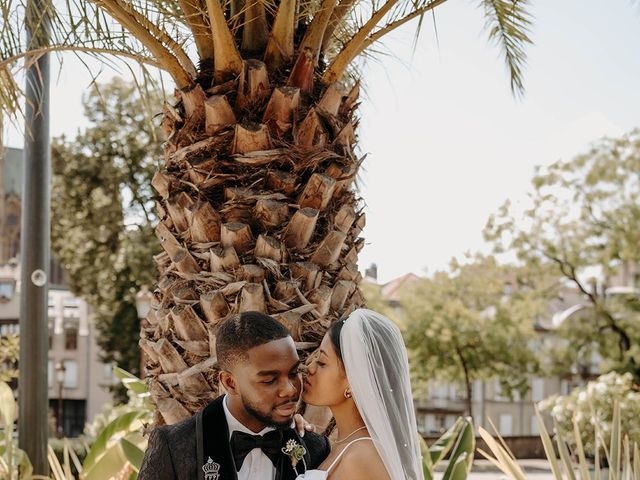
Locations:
(257, 212)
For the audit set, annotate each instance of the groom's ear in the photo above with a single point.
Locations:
(228, 382)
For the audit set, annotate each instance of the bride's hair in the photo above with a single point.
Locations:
(334, 335)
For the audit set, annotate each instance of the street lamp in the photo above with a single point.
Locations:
(143, 305)
(60, 369)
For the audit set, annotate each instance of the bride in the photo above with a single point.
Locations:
(361, 373)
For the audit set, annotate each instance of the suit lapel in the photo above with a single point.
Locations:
(285, 470)
(215, 441)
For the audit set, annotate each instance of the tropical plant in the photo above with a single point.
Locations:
(118, 447)
(14, 462)
(255, 194)
(460, 440)
(621, 456)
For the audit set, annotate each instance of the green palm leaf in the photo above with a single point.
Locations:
(508, 23)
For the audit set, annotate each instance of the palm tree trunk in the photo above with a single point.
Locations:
(257, 212)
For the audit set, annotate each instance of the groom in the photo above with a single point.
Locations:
(240, 436)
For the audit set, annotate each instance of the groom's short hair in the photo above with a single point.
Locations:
(241, 332)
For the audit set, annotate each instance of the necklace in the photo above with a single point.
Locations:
(337, 442)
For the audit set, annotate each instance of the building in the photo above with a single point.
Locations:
(10, 204)
(83, 390)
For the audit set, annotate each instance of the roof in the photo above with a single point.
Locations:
(392, 290)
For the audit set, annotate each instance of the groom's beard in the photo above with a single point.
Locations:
(265, 417)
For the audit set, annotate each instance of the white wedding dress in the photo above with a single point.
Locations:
(324, 474)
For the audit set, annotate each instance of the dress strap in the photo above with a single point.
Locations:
(335, 462)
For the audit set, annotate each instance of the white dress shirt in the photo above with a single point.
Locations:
(256, 465)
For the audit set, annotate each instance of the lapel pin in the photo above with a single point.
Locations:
(211, 470)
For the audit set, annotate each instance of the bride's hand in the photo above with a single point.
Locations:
(302, 425)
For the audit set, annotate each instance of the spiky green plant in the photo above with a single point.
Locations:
(460, 441)
(622, 457)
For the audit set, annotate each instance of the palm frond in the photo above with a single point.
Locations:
(368, 22)
(154, 33)
(508, 23)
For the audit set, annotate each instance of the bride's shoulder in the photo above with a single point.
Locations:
(362, 461)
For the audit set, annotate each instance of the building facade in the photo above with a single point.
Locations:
(84, 380)
(10, 204)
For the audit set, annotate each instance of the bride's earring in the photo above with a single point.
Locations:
(347, 393)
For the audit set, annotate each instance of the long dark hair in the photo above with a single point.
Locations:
(334, 335)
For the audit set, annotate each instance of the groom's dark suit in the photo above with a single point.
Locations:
(178, 452)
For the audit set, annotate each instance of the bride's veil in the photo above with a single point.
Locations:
(377, 367)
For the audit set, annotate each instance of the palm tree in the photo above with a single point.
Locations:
(255, 194)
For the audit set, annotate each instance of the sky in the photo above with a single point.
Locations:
(446, 141)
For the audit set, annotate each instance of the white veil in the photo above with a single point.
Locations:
(377, 367)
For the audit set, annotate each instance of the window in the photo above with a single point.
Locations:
(450, 420)
(506, 424)
(70, 337)
(108, 373)
(534, 425)
(9, 327)
(73, 415)
(477, 421)
(70, 374)
(478, 390)
(440, 390)
(440, 422)
(50, 372)
(498, 394)
(430, 423)
(6, 289)
(537, 389)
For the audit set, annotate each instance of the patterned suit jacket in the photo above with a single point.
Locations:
(180, 451)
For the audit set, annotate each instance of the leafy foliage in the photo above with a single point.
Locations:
(475, 322)
(117, 443)
(508, 23)
(584, 219)
(102, 221)
(592, 408)
(9, 349)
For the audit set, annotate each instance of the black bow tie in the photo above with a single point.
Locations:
(242, 443)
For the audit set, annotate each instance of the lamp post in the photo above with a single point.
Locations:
(60, 369)
(143, 305)
(35, 243)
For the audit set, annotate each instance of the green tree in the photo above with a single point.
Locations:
(102, 213)
(584, 221)
(9, 348)
(475, 322)
(256, 202)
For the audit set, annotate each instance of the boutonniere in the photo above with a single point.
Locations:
(295, 452)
